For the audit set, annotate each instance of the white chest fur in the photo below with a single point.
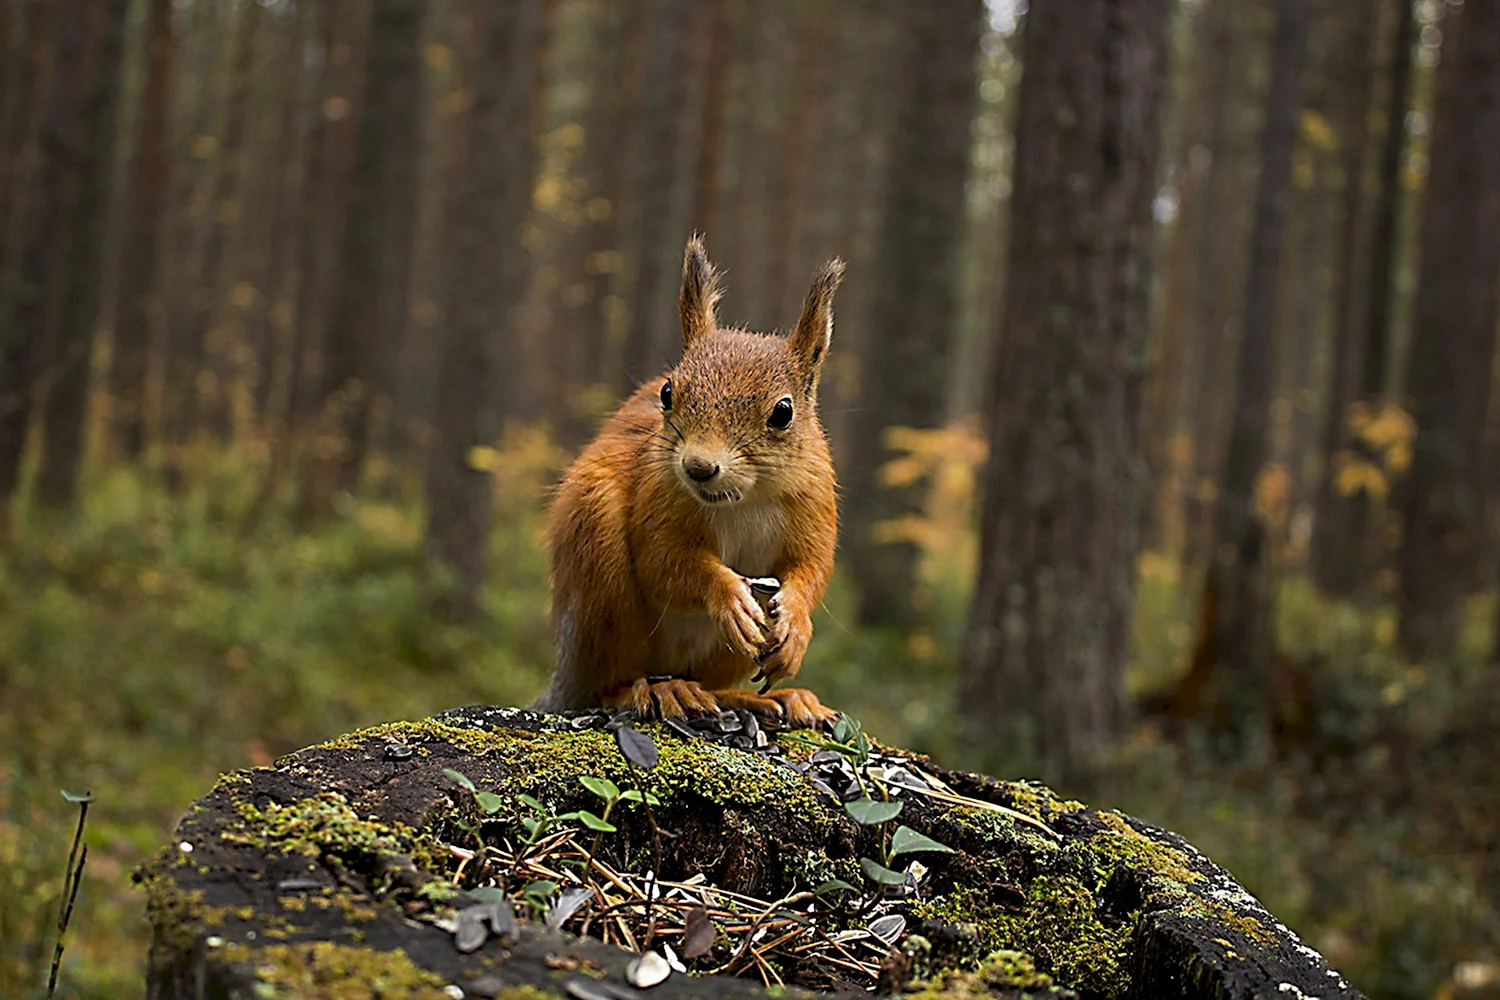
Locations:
(749, 536)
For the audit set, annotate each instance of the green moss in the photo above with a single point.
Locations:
(1059, 926)
(318, 825)
(553, 761)
(415, 734)
(1012, 970)
(1121, 844)
(1001, 971)
(1248, 926)
(325, 971)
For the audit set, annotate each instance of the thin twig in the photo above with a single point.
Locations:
(72, 879)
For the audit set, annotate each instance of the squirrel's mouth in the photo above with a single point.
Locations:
(726, 496)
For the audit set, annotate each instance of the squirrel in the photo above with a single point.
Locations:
(709, 485)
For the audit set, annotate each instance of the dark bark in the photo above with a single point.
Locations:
(1218, 253)
(1167, 414)
(36, 182)
(484, 206)
(1239, 570)
(1049, 627)
(715, 35)
(226, 212)
(367, 325)
(1454, 322)
(911, 326)
(87, 153)
(1347, 543)
(607, 244)
(140, 309)
(651, 341)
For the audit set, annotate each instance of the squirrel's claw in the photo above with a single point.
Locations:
(673, 698)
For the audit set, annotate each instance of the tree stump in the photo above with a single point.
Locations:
(462, 856)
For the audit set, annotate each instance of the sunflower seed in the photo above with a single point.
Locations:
(647, 971)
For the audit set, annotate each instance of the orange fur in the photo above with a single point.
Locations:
(649, 564)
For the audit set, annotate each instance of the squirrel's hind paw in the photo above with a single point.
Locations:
(799, 708)
(671, 699)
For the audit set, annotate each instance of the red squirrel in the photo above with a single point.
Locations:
(706, 481)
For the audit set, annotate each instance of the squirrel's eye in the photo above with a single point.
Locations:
(781, 414)
(666, 395)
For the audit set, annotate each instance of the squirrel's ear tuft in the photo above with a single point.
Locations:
(700, 291)
(814, 332)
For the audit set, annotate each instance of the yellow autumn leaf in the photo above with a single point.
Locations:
(1317, 132)
(437, 56)
(482, 458)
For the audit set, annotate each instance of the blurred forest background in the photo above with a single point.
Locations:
(1163, 393)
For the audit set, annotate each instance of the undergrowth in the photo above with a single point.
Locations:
(148, 642)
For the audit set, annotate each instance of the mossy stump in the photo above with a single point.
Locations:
(329, 876)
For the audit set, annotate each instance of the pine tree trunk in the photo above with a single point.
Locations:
(1346, 539)
(35, 185)
(140, 309)
(1044, 655)
(484, 206)
(211, 404)
(650, 340)
(88, 146)
(1455, 315)
(1238, 582)
(910, 331)
(365, 328)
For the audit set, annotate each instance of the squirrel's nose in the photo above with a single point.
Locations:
(699, 470)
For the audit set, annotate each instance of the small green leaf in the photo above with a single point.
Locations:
(76, 798)
(540, 889)
(531, 824)
(868, 811)
(466, 826)
(602, 787)
(595, 823)
(877, 872)
(652, 800)
(459, 777)
(908, 841)
(487, 894)
(833, 885)
(489, 802)
(630, 795)
(531, 803)
(567, 817)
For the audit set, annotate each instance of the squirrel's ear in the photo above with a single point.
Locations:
(814, 332)
(700, 291)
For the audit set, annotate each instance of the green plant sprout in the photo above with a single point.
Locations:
(904, 840)
(612, 796)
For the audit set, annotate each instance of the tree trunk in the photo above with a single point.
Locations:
(1049, 627)
(911, 327)
(1346, 539)
(211, 404)
(484, 206)
(714, 43)
(1238, 582)
(88, 147)
(1217, 251)
(650, 341)
(140, 308)
(1455, 315)
(35, 181)
(366, 328)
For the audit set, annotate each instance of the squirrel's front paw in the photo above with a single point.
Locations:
(785, 644)
(738, 617)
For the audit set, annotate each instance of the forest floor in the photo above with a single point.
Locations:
(148, 643)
